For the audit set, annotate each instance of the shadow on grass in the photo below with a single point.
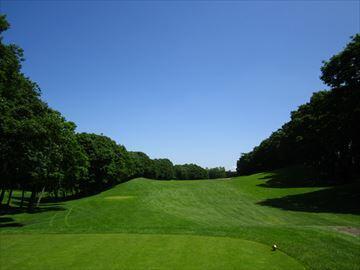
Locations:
(9, 222)
(65, 199)
(15, 209)
(333, 198)
(339, 199)
(6, 221)
(296, 176)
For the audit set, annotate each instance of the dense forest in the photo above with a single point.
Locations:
(40, 151)
(324, 133)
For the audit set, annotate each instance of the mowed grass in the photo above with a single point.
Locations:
(206, 224)
(136, 251)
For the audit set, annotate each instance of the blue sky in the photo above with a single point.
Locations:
(194, 81)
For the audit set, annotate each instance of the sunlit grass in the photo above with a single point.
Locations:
(243, 208)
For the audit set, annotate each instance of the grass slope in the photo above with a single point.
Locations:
(157, 224)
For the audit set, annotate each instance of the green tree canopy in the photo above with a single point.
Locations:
(343, 69)
(323, 132)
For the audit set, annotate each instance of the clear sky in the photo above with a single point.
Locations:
(193, 81)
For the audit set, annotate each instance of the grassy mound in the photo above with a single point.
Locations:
(303, 220)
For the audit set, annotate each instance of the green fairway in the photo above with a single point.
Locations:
(134, 251)
(205, 224)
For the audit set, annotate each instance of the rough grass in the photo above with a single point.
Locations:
(301, 219)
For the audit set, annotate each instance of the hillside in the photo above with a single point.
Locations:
(194, 222)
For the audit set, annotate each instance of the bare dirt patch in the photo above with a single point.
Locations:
(349, 230)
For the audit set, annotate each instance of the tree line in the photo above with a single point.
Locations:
(324, 133)
(40, 151)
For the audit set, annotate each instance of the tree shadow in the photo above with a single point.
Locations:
(9, 222)
(50, 199)
(339, 199)
(5, 212)
(63, 199)
(296, 176)
(13, 210)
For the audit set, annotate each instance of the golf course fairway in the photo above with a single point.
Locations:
(204, 224)
(136, 251)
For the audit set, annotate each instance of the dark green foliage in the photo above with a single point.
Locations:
(194, 172)
(190, 172)
(109, 163)
(217, 172)
(4, 25)
(322, 133)
(75, 163)
(142, 164)
(162, 169)
(343, 69)
(230, 174)
(38, 149)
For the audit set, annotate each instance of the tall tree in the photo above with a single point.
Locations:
(162, 169)
(321, 133)
(142, 164)
(35, 141)
(109, 163)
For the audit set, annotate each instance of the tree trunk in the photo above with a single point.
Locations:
(9, 199)
(40, 196)
(2, 195)
(22, 198)
(32, 199)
